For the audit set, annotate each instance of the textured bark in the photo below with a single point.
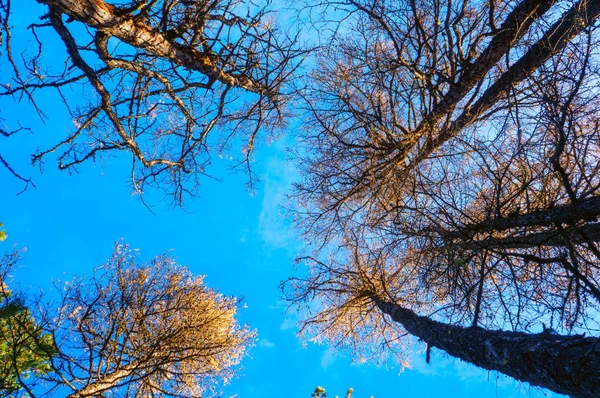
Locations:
(550, 238)
(584, 210)
(105, 17)
(105, 383)
(564, 364)
(571, 24)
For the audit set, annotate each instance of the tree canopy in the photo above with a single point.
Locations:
(450, 190)
(321, 393)
(451, 164)
(137, 330)
(25, 350)
(169, 82)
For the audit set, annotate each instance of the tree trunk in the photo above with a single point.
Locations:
(564, 364)
(551, 238)
(103, 16)
(106, 382)
(587, 209)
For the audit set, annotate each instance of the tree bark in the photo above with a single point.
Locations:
(97, 388)
(564, 364)
(104, 383)
(551, 238)
(584, 210)
(103, 16)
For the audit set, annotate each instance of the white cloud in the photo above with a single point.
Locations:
(266, 343)
(244, 236)
(274, 229)
(327, 359)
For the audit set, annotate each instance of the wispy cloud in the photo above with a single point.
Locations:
(328, 359)
(244, 235)
(266, 343)
(274, 229)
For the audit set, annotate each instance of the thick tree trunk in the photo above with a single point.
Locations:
(551, 238)
(587, 209)
(564, 364)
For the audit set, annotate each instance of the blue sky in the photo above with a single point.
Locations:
(242, 242)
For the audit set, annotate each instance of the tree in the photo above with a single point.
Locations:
(25, 351)
(169, 82)
(320, 393)
(453, 174)
(140, 330)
